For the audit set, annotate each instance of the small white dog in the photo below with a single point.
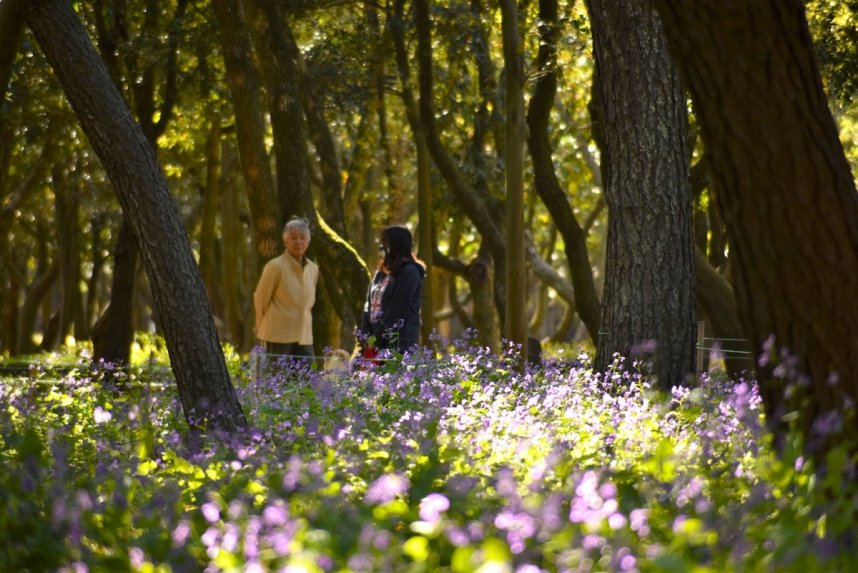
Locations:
(337, 361)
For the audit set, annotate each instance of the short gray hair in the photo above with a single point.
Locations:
(298, 224)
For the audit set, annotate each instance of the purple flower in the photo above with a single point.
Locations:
(386, 488)
(180, 533)
(210, 512)
(432, 506)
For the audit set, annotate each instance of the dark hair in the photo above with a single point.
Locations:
(399, 243)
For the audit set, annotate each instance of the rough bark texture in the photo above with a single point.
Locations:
(545, 180)
(784, 188)
(207, 396)
(649, 280)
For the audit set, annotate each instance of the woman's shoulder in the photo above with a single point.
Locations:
(412, 269)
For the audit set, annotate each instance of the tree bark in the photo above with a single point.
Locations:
(785, 191)
(67, 221)
(648, 301)
(207, 396)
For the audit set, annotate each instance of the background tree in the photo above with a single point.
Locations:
(515, 324)
(546, 184)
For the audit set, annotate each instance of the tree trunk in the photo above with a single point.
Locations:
(211, 207)
(233, 265)
(648, 301)
(113, 332)
(11, 25)
(67, 206)
(785, 191)
(545, 179)
(241, 77)
(515, 321)
(207, 396)
(426, 228)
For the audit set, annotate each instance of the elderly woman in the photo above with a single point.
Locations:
(285, 295)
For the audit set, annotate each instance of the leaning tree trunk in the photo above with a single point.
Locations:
(207, 396)
(785, 190)
(649, 280)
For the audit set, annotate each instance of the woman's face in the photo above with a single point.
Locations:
(296, 242)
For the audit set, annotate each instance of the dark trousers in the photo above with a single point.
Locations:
(288, 349)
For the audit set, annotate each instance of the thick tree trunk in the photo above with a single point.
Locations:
(545, 180)
(785, 190)
(648, 301)
(207, 396)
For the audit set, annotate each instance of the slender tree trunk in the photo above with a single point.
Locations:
(232, 265)
(211, 207)
(545, 180)
(785, 191)
(113, 333)
(67, 206)
(207, 396)
(648, 301)
(282, 70)
(241, 77)
(515, 323)
(426, 227)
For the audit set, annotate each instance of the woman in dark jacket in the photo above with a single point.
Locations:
(391, 314)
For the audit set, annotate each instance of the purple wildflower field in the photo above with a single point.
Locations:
(458, 464)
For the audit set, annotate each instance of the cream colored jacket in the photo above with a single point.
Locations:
(284, 298)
